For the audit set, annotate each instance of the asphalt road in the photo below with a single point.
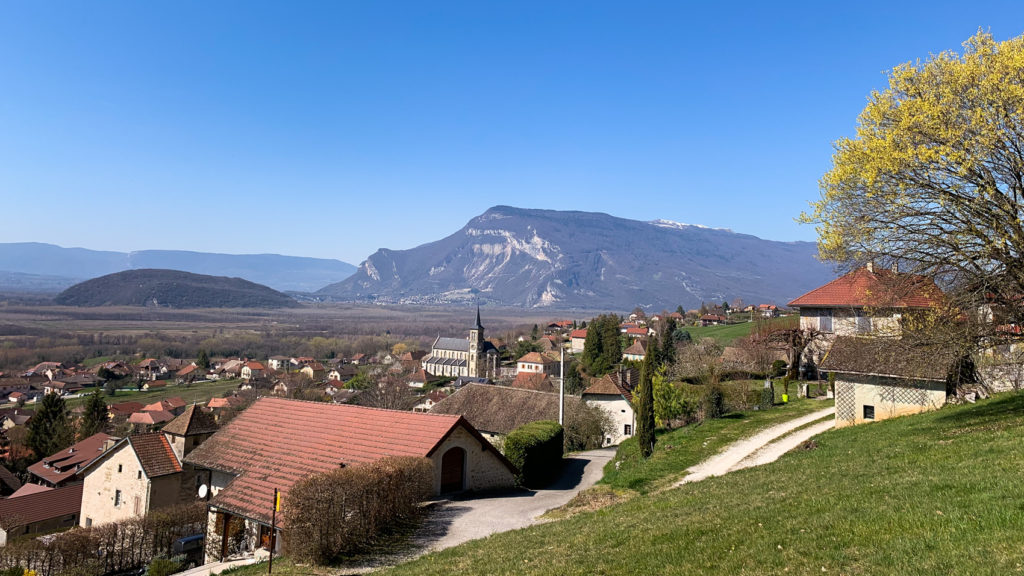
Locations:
(453, 522)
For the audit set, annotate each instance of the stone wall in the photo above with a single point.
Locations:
(483, 469)
(122, 471)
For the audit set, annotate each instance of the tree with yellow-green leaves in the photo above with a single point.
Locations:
(934, 177)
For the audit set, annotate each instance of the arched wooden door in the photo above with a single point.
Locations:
(453, 465)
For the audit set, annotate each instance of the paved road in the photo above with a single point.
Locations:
(730, 458)
(457, 521)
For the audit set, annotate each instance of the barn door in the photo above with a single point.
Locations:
(452, 470)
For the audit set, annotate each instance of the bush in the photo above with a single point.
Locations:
(343, 511)
(714, 403)
(536, 450)
(163, 567)
(778, 368)
(767, 396)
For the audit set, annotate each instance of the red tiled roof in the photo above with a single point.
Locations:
(277, 441)
(255, 366)
(40, 506)
(150, 417)
(881, 288)
(581, 333)
(534, 358)
(30, 489)
(228, 402)
(167, 404)
(533, 381)
(636, 331)
(155, 454)
(63, 465)
(609, 385)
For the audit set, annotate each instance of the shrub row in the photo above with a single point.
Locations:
(536, 450)
(108, 548)
(342, 511)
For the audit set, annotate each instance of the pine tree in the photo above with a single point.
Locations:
(611, 347)
(645, 404)
(50, 430)
(203, 361)
(95, 418)
(668, 343)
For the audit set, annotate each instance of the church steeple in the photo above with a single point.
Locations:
(478, 326)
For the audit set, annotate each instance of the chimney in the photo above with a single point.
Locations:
(871, 267)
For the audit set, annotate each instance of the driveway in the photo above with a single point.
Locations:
(453, 522)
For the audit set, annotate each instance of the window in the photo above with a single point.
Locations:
(628, 430)
(863, 322)
(869, 412)
(88, 522)
(140, 475)
(117, 497)
(118, 468)
(825, 321)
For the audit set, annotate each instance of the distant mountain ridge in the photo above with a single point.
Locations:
(34, 266)
(570, 259)
(172, 289)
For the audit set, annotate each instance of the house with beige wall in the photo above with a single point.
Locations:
(143, 472)
(865, 301)
(269, 445)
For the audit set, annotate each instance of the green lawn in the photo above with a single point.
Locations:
(938, 493)
(195, 393)
(677, 450)
(725, 334)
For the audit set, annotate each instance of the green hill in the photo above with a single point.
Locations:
(938, 493)
(172, 289)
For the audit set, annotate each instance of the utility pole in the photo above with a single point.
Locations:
(561, 390)
(273, 529)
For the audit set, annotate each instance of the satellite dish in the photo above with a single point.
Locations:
(203, 490)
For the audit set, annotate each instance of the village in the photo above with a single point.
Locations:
(217, 471)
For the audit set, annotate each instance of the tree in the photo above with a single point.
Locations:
(669, 403)
(203, 361)
(602, 349)
(95, 417)
(49, 430)
(574, 383)
(668, 343)
(932, 179)
(534, 332)
(645, 421)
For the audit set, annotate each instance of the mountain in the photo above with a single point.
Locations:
(66, 266)
(172, 289)
(535, 258)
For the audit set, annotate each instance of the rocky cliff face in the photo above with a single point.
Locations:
(547, 258)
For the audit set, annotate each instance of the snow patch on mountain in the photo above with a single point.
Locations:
(662, 223)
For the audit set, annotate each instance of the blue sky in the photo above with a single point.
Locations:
(332, 129)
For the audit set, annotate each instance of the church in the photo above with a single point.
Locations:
(473, 356)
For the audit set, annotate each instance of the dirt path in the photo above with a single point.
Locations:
(737, 452)
(774, 450)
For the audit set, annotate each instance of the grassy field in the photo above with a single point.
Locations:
(195, 393)
(677, 450)
(725, 334)
(938, 493)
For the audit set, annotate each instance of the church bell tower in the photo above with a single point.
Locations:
(476, 348)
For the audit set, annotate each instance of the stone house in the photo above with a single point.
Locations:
(269, 446)
(253, 371)
(635, 352)
(143, 472)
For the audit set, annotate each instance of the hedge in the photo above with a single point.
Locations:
(343, 511)
(536, 450)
